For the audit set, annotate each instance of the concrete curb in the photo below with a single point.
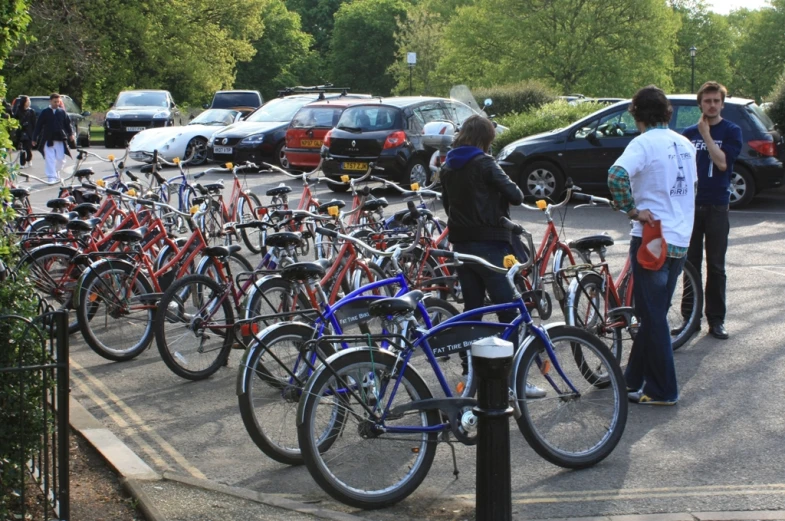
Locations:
(146, 505)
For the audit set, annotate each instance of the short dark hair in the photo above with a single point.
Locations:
(54, 95)
(651, 107)
(476, 131)
(712, 86)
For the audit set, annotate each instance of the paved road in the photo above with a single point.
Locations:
(721, 448)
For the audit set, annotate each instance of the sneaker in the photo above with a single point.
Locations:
(644, 399)
(532, 391)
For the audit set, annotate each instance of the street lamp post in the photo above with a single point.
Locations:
(411, 60)
(693, 52)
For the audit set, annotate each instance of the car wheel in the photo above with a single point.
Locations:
(196, 150)
(418, 172)
(542, 179)
(108, 142)
(86, 140)
(280, 155)
(742, 187)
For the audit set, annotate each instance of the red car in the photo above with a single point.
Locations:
(306, 132)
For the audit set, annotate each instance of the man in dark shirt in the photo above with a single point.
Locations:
(718, 144)
(52, 132)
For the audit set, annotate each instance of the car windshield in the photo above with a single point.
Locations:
(313, 117)
(278, 110)
(368, 118)
(39, 104)
(761, 115)
(218, 117)
(228, 100)
(142, 99)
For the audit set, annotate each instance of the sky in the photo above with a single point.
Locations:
(726, 6)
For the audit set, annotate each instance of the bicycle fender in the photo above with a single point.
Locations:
(529, 340)
(32, 252)
(255, 346)
(253, 290)
(308, 391)
(572, 295)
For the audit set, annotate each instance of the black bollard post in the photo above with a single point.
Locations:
(492, 361)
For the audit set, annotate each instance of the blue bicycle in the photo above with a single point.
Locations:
(368, 422)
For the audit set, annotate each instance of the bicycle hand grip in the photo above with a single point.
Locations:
(155, 158)
(365, 191)
(413, 211)
(159, 178)
(327, 232)
(277, 215)
(447, 254)
(200, 174)
(249, 224)
(145, 202)
(507, 224)
(581, 197)
(131, 176)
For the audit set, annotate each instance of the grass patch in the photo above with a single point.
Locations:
(96, 135)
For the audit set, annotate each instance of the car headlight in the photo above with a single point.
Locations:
(112, 115)
(505, 153)
(211, 141)
(253, 140)
(161, 115)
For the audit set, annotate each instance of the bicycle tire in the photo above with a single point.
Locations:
(183, 204)
(533, 369)
(332, 469)
(182, 354)
(692, 304)
(271, 296)
(211, 224)
(238, 263)
(268, 395)
(103, 282)
(246, 211)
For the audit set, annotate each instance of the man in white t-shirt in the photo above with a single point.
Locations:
(654, 179)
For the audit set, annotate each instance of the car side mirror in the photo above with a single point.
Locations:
(488, 102)
(592, 138)
(86, 113)
(191, 117)
(206, 106)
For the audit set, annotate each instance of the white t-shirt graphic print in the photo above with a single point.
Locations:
(661, 166)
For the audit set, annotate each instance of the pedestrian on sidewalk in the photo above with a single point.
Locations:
(654, 179)
(717, 143)
(51, 136)
(27, 120)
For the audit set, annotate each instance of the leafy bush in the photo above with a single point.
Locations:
(777, 109)
(518, 97)
(557, 114)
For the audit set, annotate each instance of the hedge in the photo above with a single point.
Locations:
(518, 97)
(557, 114)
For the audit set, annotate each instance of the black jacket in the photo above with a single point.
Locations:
(27, 121)
(476, 196)
(52, 125)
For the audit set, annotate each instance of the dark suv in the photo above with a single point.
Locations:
(137, 110)
(246, 101)
(586, 149)
(79, 121)
(388, 132)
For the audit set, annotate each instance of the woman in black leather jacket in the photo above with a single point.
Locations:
(477, 193)
(26, 117)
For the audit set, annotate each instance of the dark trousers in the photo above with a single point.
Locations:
(476, 280)
(651, 367)
(711, 228)
(26, 151)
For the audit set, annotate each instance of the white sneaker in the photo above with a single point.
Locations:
(532, 391)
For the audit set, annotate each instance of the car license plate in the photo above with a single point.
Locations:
(354, 166)
(222, 150)
(134, 129)
(310, 143)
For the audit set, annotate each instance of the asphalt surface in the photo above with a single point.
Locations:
(720, 449)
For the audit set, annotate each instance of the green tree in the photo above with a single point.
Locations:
(363, 45)
(282, 53)
(420, 32)
(711, 35)
(317, 20)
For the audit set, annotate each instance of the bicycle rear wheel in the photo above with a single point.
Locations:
(367, 466)
(686, 306)
(193, 327)
(572, 430)
(246, 212)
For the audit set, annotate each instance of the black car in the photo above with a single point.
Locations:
(137, 110)
(585, 150)
(388, 132)
(246, 101)
(79, 121)
(261, 136)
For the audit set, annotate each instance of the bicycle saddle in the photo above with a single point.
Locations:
(222, 252)
(56, 219)
(283, 239)
(303, 271)
(91, 197)
(214, 187)
(80, 226)
(129, 236)
(84, 172)
(278, 190)
(20, 193)
(396, 306)
(85, 209)
(592, 242)
(58, 204)
(335, 202)
(375, 204)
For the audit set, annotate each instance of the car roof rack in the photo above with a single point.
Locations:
(314, 89)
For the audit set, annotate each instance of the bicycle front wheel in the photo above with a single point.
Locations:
(571, 429)
(371, 463)
(246, 212)
(193, 327)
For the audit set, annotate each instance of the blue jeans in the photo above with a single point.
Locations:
(651, 367)
(476, 280)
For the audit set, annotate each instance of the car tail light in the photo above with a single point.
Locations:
(395, 139)
(327, 138)
(764, 147)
